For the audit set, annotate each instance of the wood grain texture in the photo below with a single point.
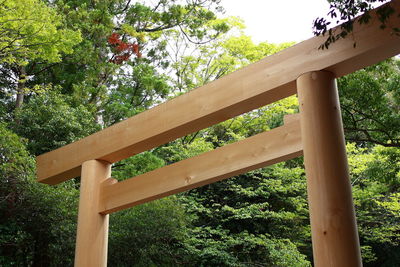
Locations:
(333, 224)
(261, 150)
(258, 84)
(92, 232)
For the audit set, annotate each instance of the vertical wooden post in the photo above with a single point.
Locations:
(92, 234)
(333, 223)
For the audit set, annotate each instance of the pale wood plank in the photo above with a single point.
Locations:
(261, 150)
(333, 222)
(291, 117)
(256, 85)
(92, 232)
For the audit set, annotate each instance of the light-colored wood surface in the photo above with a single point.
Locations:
(291, 118)
(92, 234)
(261, 150)
(333, 224)
(256, 85)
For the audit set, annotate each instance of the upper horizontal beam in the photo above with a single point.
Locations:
(258, 84)
(264, 149)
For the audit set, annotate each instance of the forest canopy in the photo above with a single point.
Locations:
(69, 68)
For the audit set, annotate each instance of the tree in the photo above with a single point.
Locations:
(375, 180)
(149, 235)
(370, 102)
(256, 219)
(37, 223)
(344, 12)
(134, 91)
(49, 122)
(30, 31)
(92, 76)
(218, 58)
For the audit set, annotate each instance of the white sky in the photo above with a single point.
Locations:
(277, 21)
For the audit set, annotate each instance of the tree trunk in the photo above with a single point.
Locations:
(20, 87)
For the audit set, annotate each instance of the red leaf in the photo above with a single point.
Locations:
(122, 46)
(114, 38)
(135, 49)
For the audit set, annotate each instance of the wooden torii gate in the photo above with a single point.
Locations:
(317, 133)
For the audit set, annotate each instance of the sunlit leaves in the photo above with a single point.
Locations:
(375, 176)
(31, 30)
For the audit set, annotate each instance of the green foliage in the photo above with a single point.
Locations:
(37, 223)
(216, 247)
(89, 74)
(219, 58)
(14, 158)
(237, 222)
(135, 91)
(30, 30)
(344, 12)
(49, 122)
(31, 34)
(376, 181)
(183, 149)
(148, 235)
(136, 165)
(370, 101)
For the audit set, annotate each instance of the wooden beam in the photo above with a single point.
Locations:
(258, 84)
(92, 232)
(333, 221)
(261, 150)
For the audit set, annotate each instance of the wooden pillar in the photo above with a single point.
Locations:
(333, 223)
(92, 234)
